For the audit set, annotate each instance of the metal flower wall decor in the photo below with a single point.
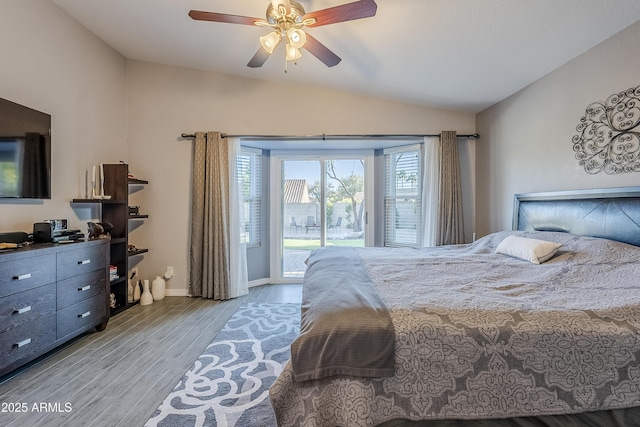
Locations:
(609, 135)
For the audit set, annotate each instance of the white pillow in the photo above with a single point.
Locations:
(524, 248)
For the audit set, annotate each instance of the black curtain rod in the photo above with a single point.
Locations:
(326, 137)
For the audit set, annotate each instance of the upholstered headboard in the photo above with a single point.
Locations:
(612, 213)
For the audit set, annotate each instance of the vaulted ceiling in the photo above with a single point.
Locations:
(456, 54)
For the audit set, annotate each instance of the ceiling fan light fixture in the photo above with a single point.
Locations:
(293, 53)
(270, 41)
(297, 37)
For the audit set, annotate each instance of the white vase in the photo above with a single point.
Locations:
(146, 298)
(158, 288)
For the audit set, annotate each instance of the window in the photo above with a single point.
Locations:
(250, 180)
(402, 196)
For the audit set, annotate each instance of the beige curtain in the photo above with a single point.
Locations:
(450, 220)
(214, 251)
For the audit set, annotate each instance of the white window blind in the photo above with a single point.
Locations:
(250, 180)
(402, 202)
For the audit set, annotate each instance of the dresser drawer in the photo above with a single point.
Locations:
(26, 273)
(82, 260)
(88, 312)
(78, 288)
(26, 339)
(24, 307)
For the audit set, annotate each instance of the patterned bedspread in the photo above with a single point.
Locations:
(483, 335)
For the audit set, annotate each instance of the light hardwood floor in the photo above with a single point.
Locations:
(118, 377)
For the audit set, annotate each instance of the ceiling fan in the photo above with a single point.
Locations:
(287, 18)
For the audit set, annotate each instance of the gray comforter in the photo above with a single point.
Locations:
(483, 335)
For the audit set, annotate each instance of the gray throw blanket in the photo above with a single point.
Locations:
(345, 327)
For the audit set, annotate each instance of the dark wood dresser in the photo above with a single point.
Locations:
(49, 294)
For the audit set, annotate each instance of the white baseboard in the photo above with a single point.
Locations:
(176, 292)
(259, 282)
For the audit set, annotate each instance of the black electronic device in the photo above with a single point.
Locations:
(68, 232)
(14, 237)
(68, 238)
(42, 232)
(25, 152)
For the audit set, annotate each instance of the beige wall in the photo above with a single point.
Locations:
(526, 139)
(52, 64)
(167, 101)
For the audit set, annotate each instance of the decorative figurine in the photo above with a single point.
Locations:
(99, 230)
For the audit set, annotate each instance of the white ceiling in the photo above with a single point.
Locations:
(457, 54)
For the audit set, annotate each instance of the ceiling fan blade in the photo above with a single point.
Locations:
(259, 58)
(320, 51)
(346, 12)
(200, 15)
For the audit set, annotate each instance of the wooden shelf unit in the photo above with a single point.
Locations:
(116, 212)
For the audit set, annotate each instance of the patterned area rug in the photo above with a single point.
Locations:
(229, 383)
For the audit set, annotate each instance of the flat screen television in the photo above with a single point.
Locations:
(25, 152)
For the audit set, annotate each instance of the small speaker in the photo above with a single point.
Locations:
(42, 232)
(14, 237)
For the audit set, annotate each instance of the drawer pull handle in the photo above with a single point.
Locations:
(85, 314)
(22, 276)
(84, 288)
(23, 310)
(23, 343)
(84, 262)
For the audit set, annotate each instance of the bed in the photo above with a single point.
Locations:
(462, 335)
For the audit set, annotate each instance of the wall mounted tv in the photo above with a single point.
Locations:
(25, 152)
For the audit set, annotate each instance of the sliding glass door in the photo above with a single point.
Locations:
(322, 200)
(302, 214)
